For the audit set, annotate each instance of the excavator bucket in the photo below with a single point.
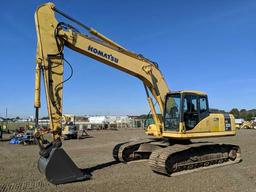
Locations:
(59, 168)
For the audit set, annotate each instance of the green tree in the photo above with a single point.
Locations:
(235, 112)
(243, 113)
(249, 117)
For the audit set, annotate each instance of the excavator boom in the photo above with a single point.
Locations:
(52, 37)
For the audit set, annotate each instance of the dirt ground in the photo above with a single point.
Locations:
(18, 167)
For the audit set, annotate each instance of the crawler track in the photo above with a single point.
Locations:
(124, 152)
(180, 159)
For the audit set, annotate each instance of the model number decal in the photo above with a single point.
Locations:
(109, 57)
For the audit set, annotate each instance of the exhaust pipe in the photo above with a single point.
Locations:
(60, 169)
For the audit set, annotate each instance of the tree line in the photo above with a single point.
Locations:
(243, 113)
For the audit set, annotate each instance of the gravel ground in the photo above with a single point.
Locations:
(18, 168)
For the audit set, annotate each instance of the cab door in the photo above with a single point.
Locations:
(203, 107)
(196, 111)
(190, 111)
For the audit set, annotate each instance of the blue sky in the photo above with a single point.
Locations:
(199, 44)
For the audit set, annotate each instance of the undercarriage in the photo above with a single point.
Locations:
(174, 158)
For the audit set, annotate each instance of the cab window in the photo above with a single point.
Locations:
(190, 110)
(203, 107)
(193, 104)
(185, 105)
(172, 112)
(203, 104)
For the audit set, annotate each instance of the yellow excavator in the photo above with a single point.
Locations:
(184, 115)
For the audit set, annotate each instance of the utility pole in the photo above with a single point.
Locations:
(6, 121)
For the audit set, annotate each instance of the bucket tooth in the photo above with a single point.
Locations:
(59, 168)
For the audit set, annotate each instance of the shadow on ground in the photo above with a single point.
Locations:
(90, 170)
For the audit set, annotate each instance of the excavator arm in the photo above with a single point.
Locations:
(53, 37)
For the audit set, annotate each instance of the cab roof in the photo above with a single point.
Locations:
(190, 91)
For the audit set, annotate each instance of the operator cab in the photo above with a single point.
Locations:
(187, 107)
